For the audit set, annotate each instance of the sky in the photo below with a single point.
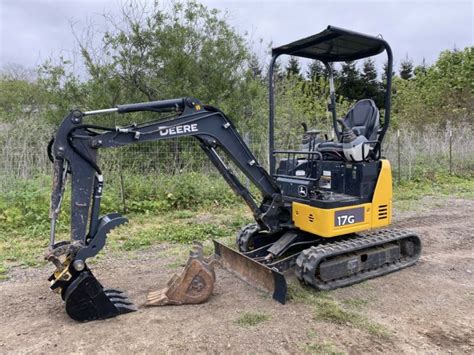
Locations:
(31, 31)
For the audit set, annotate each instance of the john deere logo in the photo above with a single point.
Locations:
(302, 191)
(187, 128)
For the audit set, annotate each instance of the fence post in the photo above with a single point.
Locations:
(122, 188)
(450, 151)
(399, 158)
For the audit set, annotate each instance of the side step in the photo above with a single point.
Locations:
(256, 274)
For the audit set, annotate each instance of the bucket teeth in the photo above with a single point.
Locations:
(86, 299)
(115, 294)
(121, 301)
(125, 307)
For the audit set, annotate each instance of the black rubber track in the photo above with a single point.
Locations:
(309, 260)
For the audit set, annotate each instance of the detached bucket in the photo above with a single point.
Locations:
(194, 285)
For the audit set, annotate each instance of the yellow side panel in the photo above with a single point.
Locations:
(323, 222)
(382, 199)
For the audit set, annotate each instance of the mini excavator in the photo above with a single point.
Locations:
(324, 211)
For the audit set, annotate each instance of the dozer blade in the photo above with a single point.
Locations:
(86, 299)
(194, 285)
(256, 274)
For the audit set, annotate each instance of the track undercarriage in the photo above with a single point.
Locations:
(322, 263)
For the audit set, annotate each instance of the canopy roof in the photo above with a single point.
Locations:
(334, 45)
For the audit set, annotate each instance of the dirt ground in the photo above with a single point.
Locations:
(428, 308)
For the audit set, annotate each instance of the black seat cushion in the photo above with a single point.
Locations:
(330, 145)
(331, 150)
(364, 119)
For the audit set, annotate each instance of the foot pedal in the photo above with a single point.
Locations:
(86, 299)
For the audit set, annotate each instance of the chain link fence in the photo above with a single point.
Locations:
(414, 152)
(411, 152)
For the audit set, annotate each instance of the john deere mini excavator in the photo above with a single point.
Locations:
(322, 209)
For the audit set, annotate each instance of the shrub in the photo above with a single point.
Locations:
(26, 205)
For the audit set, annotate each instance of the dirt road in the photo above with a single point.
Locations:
(428, 308)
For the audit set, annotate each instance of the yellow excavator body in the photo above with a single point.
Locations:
(334, 222)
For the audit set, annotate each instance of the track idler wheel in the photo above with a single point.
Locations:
(86, 299)
(245, 239)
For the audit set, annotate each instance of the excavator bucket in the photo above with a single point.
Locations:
(194, 285)
(86, 299)
(254, 273)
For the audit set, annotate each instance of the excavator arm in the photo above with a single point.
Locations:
(74, 153)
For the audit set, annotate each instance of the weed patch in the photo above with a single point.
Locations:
(332, 311)
(356, 303)
(316, 346)
(325, 308)
(437, 185)
(250, 319)
(323, 347)
(3, 273)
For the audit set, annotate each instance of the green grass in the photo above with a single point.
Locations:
(163, 209)
(355, 303)
(407, 194)
(323, 348)
(27, 247)
(332, 311)
(173, 228)
(327, 309)
(437, 185)
(469, 296)
(3, 273)
(251, 319)
(184, 214)
(318, 346)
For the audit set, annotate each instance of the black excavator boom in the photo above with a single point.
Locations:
(74, 154)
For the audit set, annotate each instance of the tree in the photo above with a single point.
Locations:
(406, 69)
(420, 70)
(13, 71)
(188, 50)
(254, 67)
(369, 71)
(384, 72)
(277, 70)
(350, 81)
(384, 76)
(293, 67)
(437, 93)
(371, 87)
(316, 70)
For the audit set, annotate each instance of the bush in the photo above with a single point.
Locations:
(26, 206)
(163, 193)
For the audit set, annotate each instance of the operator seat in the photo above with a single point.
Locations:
(363, 118)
